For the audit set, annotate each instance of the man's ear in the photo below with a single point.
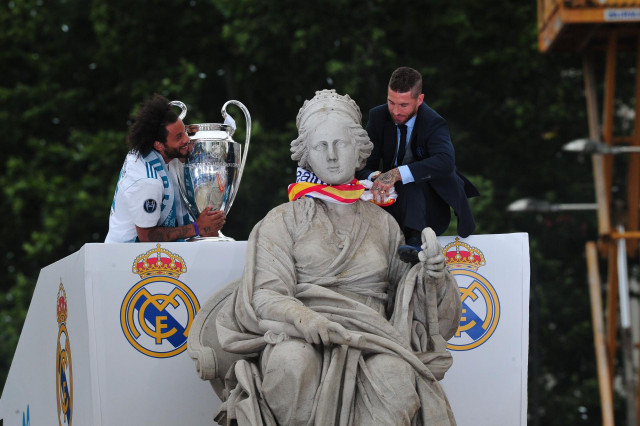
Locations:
(158, 146)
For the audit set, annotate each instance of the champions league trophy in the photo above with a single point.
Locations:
(214, 166)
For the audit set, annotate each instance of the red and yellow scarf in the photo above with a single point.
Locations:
(309, 185)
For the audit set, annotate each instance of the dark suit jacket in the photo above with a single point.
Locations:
(434, 164)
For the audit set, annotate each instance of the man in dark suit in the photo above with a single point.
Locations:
(414, 145)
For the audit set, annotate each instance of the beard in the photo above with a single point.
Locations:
(409, 117)
(175, 153)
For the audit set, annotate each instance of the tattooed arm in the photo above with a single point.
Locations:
(209, 223)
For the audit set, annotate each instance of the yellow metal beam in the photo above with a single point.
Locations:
(604, 223)
(556, 18)
(627, 235)
(604, 375)
(633, 174)
(609, 105)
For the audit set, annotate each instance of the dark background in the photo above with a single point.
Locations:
(72, 73)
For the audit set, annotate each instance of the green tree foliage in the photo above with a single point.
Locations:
(73, 72)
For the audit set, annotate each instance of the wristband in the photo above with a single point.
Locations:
(195, 226)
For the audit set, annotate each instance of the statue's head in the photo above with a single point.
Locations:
(331, 141)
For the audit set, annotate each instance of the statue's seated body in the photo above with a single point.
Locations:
(328, 325)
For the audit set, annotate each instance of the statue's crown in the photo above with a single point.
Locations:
(159, 261)
(62, 305)
(460, 255)
(327, 101)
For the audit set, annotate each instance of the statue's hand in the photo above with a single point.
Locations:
(433, 261)
(317, 329)
(434, 266)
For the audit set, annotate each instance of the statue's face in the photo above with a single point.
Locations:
(332, 152)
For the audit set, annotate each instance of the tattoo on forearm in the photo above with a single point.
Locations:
(208, 230)
(161, 233)
(170, 234)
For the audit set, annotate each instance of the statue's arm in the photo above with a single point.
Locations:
(438, 277)
(274, 284)
(308, 324)
(449, 306)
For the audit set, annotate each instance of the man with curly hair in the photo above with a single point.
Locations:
(147, 205)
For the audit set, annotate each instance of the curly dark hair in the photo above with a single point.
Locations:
(405, 79)
(150, 124)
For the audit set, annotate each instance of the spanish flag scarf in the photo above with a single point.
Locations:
(309, 185)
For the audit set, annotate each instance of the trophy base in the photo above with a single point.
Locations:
(219, 238)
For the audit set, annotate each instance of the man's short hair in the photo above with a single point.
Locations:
(405, 79)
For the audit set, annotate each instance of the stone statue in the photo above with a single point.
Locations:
(327, 325)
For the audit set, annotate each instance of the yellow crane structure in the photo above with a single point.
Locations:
(591, 28)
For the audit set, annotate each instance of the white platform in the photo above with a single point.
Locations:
(128, 360)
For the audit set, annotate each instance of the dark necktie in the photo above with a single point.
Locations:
(403, 143)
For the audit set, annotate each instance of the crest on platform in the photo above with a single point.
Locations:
(64, 373)
(157, 312)
(480, 303)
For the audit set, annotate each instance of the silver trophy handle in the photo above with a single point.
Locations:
(182, 106)
(246, 138)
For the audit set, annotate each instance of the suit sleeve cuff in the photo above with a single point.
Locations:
(406, 175)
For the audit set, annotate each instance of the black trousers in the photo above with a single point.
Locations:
(418, 206)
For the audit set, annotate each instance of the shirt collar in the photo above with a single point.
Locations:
(411, 122)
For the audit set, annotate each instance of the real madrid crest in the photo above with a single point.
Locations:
(480, 304)
(64, 373)
(157, 312)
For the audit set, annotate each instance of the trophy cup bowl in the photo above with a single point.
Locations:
(212, 171)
